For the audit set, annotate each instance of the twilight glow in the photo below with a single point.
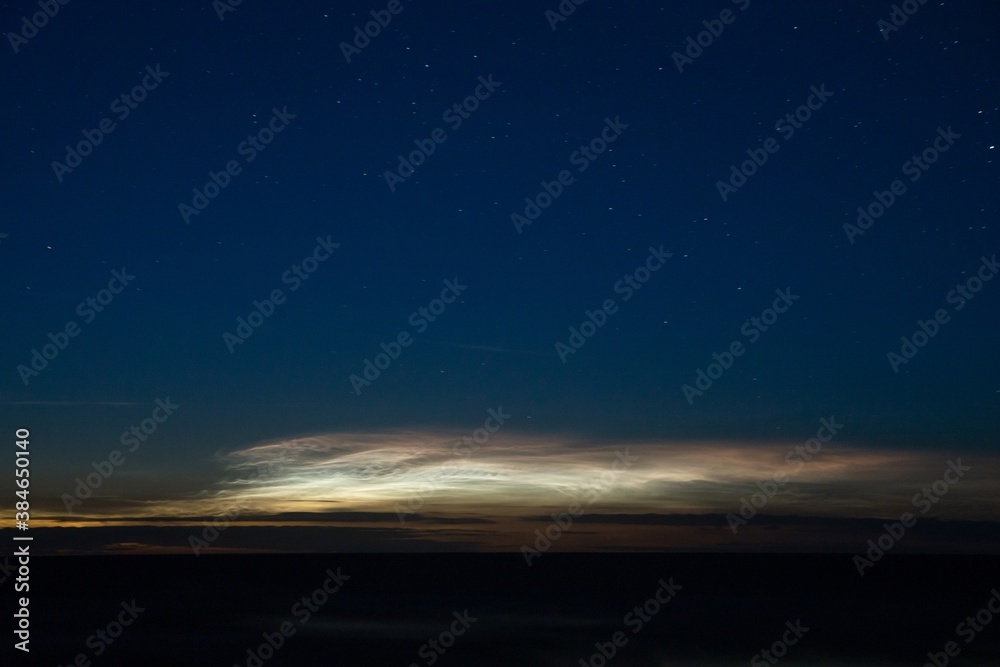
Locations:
(420, 484)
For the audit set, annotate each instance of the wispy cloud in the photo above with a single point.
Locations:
(515, 475)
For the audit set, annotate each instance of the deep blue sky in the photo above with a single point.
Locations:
(323, 176)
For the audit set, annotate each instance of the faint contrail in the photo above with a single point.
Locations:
(71, 403)
(490, 348)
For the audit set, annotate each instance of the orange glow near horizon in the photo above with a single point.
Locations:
(512, 476)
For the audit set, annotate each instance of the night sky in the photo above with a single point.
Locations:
(461, 268)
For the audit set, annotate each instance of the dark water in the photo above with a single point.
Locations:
(728, 608)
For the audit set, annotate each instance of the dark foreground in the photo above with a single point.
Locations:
(489, 609)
